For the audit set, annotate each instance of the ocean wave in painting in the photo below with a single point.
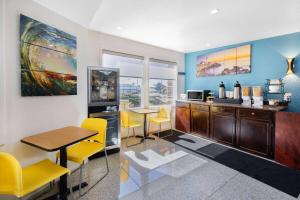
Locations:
(48, 60)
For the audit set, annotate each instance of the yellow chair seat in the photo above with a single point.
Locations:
(81, 151)
(159, 120)
(132, 125)
(39, 174)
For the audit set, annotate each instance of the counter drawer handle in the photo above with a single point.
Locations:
(252, 113)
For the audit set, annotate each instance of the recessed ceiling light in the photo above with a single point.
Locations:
(118, 27)
(214, 11)
(207, 44)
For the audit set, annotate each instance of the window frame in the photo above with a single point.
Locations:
(145, 84)
(175, 79)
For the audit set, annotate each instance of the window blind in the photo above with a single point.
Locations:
(129, 65)
(160, 69)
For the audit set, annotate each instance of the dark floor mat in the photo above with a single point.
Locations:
(212, 150)
(277, 176)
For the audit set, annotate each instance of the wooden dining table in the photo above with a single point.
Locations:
(145, 112)
(59, 140)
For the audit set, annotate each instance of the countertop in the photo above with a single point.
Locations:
(264, 107)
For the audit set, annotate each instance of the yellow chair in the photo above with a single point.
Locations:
(19, 181)
(83, 150)
(128, 123)
(162, 117)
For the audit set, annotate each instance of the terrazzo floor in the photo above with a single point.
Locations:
(160, 170)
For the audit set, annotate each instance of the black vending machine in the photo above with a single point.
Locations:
(104, 100)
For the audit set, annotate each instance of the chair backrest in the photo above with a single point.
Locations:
(96, 124)
(163, 113)
(124, 118)
(10, 175)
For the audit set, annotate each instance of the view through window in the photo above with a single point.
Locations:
(162, 82)
(161, 91)
(131, 90)
(131, 75)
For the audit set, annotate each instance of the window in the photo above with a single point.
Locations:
(161, 91)
(131, 75)
(131, 90)
(162, 88)
(162, 82)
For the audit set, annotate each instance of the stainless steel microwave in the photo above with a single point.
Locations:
(197, 95)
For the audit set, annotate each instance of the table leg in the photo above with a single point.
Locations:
(63, 182)
(63, 187)
(145, 130)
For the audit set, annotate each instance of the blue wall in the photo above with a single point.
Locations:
(268, 61)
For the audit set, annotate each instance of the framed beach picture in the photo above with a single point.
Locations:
(226, 62)
(48, 60)
(243, 59)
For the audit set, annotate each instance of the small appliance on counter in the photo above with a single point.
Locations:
(211, 97)
(197, 95)
(221, 90)
(237, 91)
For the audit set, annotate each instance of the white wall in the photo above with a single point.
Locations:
(2, 80)
(99, 41)
(29, 115)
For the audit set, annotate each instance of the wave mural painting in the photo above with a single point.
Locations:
(229, 61)
(48, 60)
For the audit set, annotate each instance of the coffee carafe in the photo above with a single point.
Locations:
(221, 90)
(237, 90)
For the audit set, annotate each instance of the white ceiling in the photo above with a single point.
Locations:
(183, 25)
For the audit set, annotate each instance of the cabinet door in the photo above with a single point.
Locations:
(255, 136)
(287, 142)
(182, 119)
(223, 128)
(200, 122)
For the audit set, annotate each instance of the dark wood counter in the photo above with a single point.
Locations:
(245, 127)
(264, 107)
(183, 116)
(287, 139)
